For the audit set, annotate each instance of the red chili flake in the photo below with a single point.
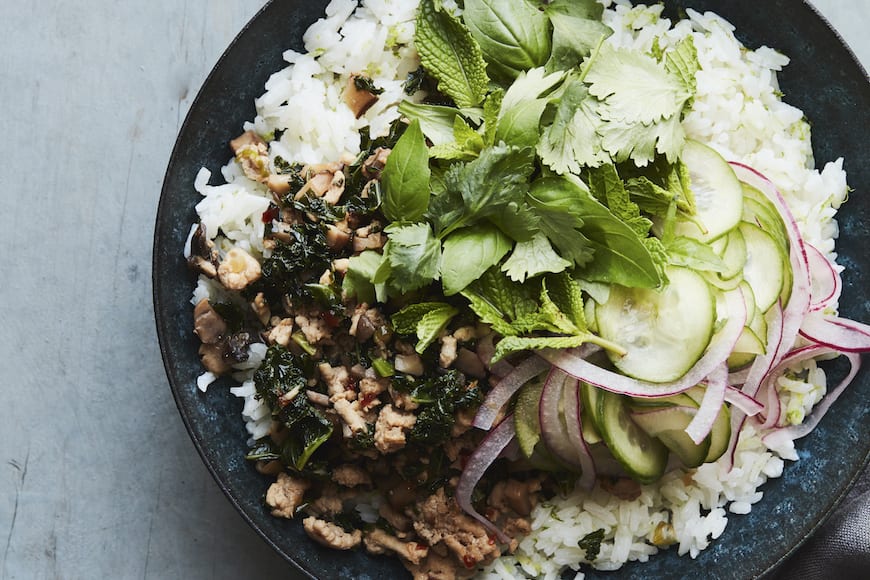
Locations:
(367, 399)
(270, 214)
(468, 561)
(330, 319)
(419, 546)
(464, 455)
(491, 540)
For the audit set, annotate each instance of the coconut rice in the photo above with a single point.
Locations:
(737, 111)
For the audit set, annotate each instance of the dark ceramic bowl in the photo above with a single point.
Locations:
(824, 80)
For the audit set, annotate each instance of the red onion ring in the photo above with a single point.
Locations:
(841, 334)
(505, 389)
(711, 405)
(826, 284)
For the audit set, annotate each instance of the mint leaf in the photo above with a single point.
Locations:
(449, 52)
(513, 34)
(425, 319)
(532, 258)
(466, 145)
(432, 324)
(491, 111)
(567, 295)
(511, 344)
(470, 252)
(405, 178)
(413, 255)
(487, 312)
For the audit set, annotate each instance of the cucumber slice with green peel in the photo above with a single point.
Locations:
(759, 210)
(747, 347)
(587, 420)
(668, 425)
(734, 255)
(720, 434)
(643, 457)
(748, 300)
(528, 426)
(717, 191)
(765, 265)
(664, 332)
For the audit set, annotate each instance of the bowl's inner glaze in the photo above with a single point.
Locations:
(823, 79)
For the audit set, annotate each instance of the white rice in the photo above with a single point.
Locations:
(737, 110)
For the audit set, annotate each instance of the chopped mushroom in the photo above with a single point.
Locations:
(331, 535)
(358, 99)
(204, 257)
(285, 495)
(252, 153)
(238, 269)
(208, 325)
(375, 163)
(411, 364)
(448, 351)
(213, 359)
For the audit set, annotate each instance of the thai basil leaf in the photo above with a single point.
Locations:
(470, 252)
(405, 178)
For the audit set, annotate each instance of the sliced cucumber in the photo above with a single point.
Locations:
(663, 331)
(643, 457)
(734, 255)
(668, 424)
(720, 435)
(528, 426)
(717, 191)
(588, 408)
(764, 271)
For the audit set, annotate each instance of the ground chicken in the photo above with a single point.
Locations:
(331, 535)
(400, 522)
(448, 351)
(314, 329)
(350, 475)
(337, 381)
(519, 496)
(238, 269)
(285, 495)
(252, 153)
(350, 414)
(434, 567)
(282, 332)
(261, 308)
(380, 542)
(390, 429)
(439, 519)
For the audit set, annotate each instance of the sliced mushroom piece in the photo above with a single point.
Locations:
(359, 94)
(203, 255)
(336, 238)
(213, 360)
(208, 325)
(252, 153)
(375, 163)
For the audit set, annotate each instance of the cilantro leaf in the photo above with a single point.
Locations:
(532, 258)
(635, 87)
(470, 252)
(513, 34)
(358, 279)
(572, 140)
(682, 62)
(450, 54)
(405, 178)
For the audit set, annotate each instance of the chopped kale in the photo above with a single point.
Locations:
(319, 208)
(439, 398)
(591, 542)
(349, 520)
(281, 382)
(363, 83)
(414, 81)
(293, 266)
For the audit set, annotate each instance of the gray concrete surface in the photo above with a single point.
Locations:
(98, 478)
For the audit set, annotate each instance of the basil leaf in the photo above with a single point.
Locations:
(470, 252)
(513, 35)
(620, 256)
(405, 178)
